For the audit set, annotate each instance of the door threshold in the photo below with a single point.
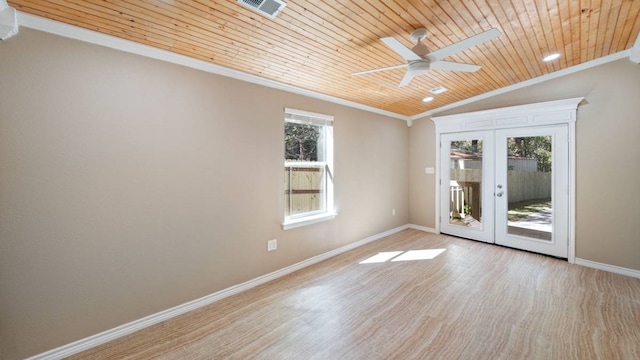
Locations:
(507, 247)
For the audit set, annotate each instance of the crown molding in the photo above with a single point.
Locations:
(93, 37)
(523, 84)
(634, 52)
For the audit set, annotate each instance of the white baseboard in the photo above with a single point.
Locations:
(588, 263)
(609, 268)
(126, 329)
(422, 228)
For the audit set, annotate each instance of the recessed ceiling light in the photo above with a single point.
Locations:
(551, 57)
(427, 99)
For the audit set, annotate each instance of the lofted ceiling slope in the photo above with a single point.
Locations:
(317, 45)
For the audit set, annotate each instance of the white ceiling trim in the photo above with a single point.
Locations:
(522, 84)
(634, 52)
(93, 37)
(77, 33)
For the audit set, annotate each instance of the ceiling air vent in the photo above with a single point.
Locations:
(268, 8)
(438, 90)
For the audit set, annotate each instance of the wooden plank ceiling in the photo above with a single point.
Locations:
(317, 45)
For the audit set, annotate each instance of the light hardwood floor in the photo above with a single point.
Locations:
(473, 301)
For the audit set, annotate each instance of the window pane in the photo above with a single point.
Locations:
(304, 190)
(303, 142)
(466, 182)
(529, 182)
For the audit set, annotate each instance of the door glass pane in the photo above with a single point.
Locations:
(465, 200)
(528, 189)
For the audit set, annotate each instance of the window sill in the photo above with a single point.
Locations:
(308, 220)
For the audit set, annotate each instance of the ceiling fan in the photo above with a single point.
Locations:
(420, 60)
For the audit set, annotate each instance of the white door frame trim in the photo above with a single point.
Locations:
(544, 113)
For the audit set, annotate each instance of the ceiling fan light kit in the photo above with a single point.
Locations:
(420, 60)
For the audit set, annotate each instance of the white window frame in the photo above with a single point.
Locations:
(329, 213)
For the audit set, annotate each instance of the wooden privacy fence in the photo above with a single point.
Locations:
(528, 185)
(521, 185)
(303, 189)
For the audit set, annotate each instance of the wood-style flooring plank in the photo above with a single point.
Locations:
(472, 301)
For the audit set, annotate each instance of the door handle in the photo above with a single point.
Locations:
(499, 194)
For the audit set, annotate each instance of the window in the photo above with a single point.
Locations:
(308, 168)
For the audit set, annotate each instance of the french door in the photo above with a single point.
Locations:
(507, 186)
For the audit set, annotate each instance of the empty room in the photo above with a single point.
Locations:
(281, 179)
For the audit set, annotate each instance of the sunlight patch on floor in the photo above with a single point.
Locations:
(381, 257)
(410, 255)
(419, 255)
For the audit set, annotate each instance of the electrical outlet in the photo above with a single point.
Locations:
(393, 212)
(272, 245)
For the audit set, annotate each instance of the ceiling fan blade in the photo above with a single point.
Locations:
(464, 44)
(407, 78)
(380, 69)
(454, 66)
(402, 50)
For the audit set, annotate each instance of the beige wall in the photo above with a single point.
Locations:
(422, 146)
(129, 185)
(607, 158)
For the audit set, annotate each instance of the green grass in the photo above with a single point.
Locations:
(523, 209)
